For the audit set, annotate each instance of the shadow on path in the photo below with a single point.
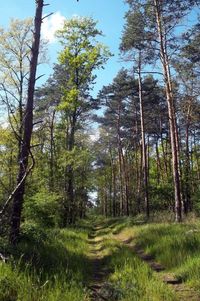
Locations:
(99, 287)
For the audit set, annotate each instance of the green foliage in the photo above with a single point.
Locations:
(8, 154)
(162, 197)
(78, 158)
(69, 100)
(43, 208)
(196, 201)
(81, 55)
(15, 54)
(33, 232)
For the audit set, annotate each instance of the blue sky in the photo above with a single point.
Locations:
(109, 13)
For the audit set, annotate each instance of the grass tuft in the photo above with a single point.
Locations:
(134, 279)
(55, 268)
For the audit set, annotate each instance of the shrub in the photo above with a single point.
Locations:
(43, 208)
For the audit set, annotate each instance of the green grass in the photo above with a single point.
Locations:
(130, 279)
(170, 244)
(175, 246)
(52, 268)
(53, 265)
(134, 280)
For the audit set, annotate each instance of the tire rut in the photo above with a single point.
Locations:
(183, 292)
(99, 287)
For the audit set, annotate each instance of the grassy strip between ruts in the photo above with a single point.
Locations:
(132, 279)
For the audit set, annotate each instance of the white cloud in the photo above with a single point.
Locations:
(51, 25)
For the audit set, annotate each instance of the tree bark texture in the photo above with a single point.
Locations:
(171, 111)
(28, 127)
(144, 150)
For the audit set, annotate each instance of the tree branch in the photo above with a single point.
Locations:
(18, 186)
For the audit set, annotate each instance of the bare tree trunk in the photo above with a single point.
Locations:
(158, 163)
(188, 180)
(70, 191)
(144, 150)
(105, 201)
(113, 185)
(187, 202)
(138, 169)
(114, 190)
(51, 174)
(171, 112)
(126, 186)
(28, 128)
(195, 156)
(69, 216)
(138, 179)
(165, 159)
(120, 160)
(121, 183)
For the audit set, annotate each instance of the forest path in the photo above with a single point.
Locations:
(101, 289)
(99, 286)
(183, 292)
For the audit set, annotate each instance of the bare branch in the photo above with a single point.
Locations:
(39, 77)
(152, 72)
(18, 186)
(37, 122)
(47, 16)
(36, 145)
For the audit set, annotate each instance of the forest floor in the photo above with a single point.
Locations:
(99, 285)
(111, 238)
(100, 259)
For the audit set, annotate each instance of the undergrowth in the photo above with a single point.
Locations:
(47, 266)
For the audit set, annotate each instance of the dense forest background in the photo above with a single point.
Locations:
(146, 153)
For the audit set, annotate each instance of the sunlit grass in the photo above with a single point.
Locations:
(130, 279)
(170, 244)
(175, 246)
(54, 269)
(134, 280)
(56, 265)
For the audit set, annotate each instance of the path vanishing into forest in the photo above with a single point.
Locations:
(102, 289)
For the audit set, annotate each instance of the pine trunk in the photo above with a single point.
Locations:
(171, 113)
(28, 128)
(144, 150)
